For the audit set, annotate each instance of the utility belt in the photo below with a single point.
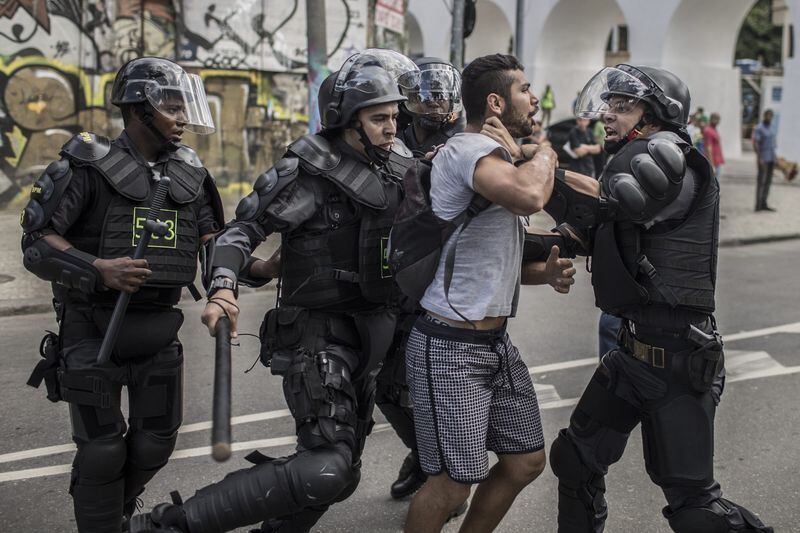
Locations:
(660, 348)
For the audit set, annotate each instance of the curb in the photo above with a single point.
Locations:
(759, 239)
(30, 306)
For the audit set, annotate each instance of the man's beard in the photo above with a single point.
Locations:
(518, 125)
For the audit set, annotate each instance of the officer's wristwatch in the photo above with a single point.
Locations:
(221, 282)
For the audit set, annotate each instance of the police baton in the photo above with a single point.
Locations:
(151, 226)
(221, 414)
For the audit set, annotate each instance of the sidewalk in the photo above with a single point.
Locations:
(21, 292)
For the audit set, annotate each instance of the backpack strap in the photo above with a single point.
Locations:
(478, 204)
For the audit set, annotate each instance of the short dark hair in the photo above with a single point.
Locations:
(483, 76)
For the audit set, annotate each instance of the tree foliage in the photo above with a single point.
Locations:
(759, 38)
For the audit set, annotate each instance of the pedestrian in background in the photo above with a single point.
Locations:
(547, 104)
(712, 144)
(584, 145)
(764, 145)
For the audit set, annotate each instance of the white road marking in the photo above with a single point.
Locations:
(179, 454)
(740, 365)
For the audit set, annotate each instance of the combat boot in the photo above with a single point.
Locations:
(409, 479)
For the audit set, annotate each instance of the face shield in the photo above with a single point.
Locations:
(437, 93)
(185, 102)
(610, 91)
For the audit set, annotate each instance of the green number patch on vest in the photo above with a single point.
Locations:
(385, 272)
(168, 216)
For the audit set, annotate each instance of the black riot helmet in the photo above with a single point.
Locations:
(666, 95)
(366, 79)
(437, 96)
(167, 88)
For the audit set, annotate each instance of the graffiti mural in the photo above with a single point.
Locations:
(266, 35)
(58, 59)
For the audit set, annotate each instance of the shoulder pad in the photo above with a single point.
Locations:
(316, 152)
(266, 187)
(399, 164)
(86, 147)
(46, 193)
(187, 155)
(186, 180)
(401, 149)
(123, 173)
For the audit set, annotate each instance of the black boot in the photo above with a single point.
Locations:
(409, 479)
(165, 518)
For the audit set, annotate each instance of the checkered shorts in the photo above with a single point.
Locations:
(472, 393)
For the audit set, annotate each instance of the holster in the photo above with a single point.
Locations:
(280, 334)
(47, 369)
(707, 361)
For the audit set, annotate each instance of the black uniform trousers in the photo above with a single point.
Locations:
(328, 362)
(115, 460)
(677, 427)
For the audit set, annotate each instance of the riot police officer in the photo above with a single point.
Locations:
(653, 221)
(80, 227)
(332, 198)
(433, 105)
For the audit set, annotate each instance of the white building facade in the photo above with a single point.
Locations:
(564, 43)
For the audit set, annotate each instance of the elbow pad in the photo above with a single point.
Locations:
(571, 243)
(71, 268)
(579, 210)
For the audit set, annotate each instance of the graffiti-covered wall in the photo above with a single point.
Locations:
(58, 59)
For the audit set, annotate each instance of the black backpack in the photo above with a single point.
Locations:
(418, 235)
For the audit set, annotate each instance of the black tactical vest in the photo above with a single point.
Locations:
(344, 263)
(672, 263)
(173, 257)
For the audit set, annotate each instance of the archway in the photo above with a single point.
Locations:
(416, 43)
(492, 33)
(570, 48)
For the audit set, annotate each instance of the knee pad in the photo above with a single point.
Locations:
(320, 475)
(679, 441)
(581, 492)
(149, 451)
(721, 516)
(272, 489)
(99, 461)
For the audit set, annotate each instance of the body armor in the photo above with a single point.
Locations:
(114, 231)
(344, 265)
(673, 262)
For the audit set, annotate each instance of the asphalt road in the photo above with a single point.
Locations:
(757, 423)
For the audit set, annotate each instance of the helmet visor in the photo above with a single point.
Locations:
(400, 67)
(185, 102)
(610, 91)
(438, 91)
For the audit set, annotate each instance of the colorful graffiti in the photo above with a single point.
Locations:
(59, 59)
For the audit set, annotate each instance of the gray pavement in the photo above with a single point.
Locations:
(21, 292)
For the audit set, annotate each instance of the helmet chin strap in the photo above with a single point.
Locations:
(147, 120)
(430, 124)
(376, 154)
(616, 146)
